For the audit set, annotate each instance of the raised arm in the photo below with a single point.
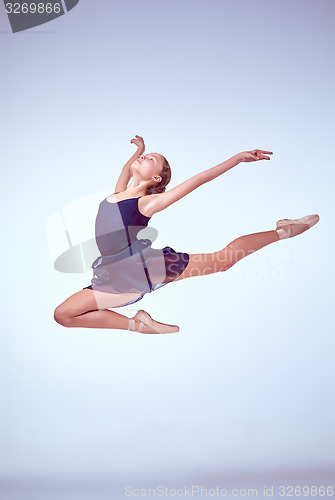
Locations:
(164, 200)
(125, 175)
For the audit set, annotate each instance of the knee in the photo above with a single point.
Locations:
(229, 256)
(223, 261)
(62, 317)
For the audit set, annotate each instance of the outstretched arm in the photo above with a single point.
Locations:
(164, 200)
(125, 175)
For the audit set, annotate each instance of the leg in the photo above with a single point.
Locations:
(208, 263)
(89, 309)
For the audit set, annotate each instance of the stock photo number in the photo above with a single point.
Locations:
(24, 15)
(312, 491)
(33, 8)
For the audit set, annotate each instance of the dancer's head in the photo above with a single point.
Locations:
(154, 169)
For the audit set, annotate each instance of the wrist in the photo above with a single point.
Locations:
(240, 157)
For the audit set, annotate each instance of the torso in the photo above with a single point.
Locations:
(143, 202)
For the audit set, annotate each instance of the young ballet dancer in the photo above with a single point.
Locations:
(129, 267)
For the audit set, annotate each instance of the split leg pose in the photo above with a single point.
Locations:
(89, 308)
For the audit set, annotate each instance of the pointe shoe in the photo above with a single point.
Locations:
(287, 228)
(145, 318)
(132, 326)
(140, 326)
(311, 220)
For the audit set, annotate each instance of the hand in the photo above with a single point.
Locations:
(255, 154)
(139, 142)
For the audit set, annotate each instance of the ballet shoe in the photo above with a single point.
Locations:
(287, 228)
(132, 325)
(145, 318)
(311, 220)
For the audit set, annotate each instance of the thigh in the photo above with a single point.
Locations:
(200, 264)
(91, 300)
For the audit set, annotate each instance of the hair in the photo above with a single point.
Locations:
(166, 177)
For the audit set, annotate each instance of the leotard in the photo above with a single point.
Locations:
(128, 263)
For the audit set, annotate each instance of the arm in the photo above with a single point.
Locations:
(164, 200)
(125, 175)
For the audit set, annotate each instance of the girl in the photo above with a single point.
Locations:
(129, 267)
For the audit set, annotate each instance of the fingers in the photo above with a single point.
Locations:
(261, 154)
(263, 157)
(261, 151)
(265, 153)
(138, 137)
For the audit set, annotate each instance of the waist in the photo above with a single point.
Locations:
(122, 253)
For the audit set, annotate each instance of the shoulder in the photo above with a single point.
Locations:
(147, 204)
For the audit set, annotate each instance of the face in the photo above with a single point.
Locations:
(148, 166)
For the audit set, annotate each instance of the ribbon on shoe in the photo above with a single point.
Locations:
(286, 228)
(145, 318)
(132, 326)
(311, 220)
(283, 222)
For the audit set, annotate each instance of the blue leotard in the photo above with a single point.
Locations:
(128, 263)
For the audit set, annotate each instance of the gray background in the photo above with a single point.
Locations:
(244, 393)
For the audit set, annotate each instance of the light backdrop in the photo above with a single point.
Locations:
(243, 394)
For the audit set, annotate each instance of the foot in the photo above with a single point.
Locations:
(287, 228)
(145, 318)
(135, 325)
(311, 220)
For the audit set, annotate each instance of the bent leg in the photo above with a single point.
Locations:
(89, 309)
(201, 264)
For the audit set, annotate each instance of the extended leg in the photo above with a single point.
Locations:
(243, 246)
(208, 263)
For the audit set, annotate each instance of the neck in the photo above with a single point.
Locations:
(137, 188)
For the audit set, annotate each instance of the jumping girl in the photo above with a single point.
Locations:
(129, 267)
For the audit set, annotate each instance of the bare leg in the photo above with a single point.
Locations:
(244, 246)
(208, 263)
(105, 319)
(82, 310)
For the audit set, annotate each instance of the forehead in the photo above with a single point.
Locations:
(156, 156)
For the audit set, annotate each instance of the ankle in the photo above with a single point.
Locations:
(282, 233)
(136, 325)
(133, 324)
